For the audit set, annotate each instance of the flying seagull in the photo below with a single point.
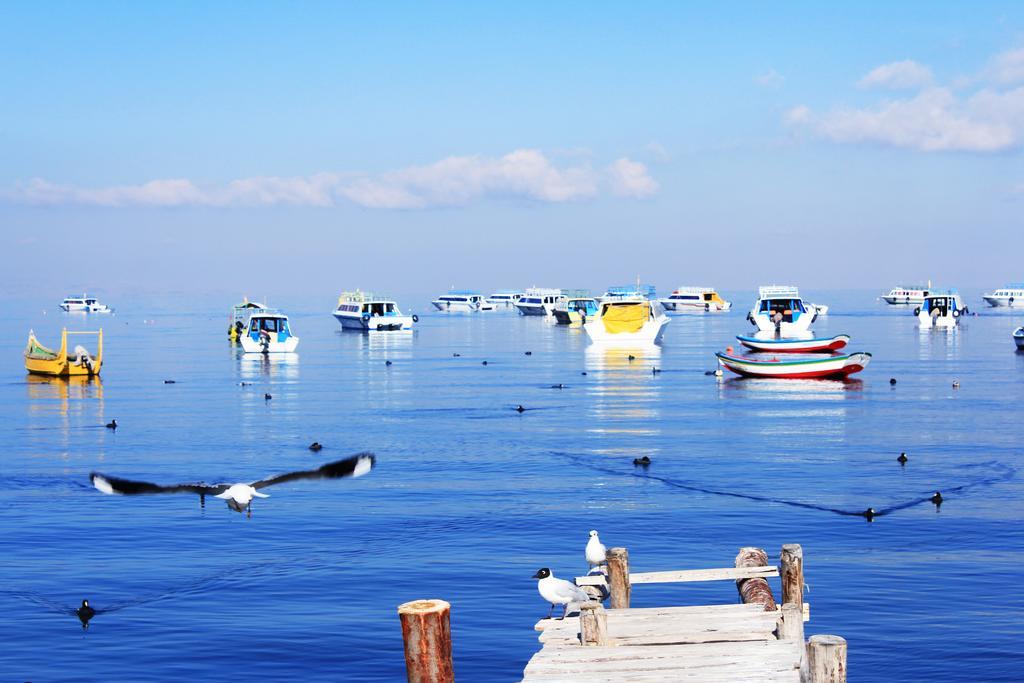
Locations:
(238, 496)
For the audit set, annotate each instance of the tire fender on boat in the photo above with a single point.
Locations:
(917, 311)
(415, 318)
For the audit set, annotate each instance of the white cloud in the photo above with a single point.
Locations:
(937, 118)
(1006, 67)
(630, 179)
(770, 79)
(453, 181)
(904, 75)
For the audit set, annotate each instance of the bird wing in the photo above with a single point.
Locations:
(570, 591)
(130, 487)
(355, 466)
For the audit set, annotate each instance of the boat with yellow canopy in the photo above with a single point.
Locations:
(624, 317)
(40, 360)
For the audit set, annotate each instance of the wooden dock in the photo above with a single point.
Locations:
(755, 640)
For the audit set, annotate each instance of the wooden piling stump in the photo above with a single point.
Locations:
(593, 624)
(755, 590)
(618, 577)
(791, 572)
(826, 659)
(426, 630)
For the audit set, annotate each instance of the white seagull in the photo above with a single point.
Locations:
(559, 591)
(238, 496)
(595, 551)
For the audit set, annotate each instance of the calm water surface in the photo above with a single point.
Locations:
(469, 497)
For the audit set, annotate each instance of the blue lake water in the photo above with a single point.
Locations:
(470, 498)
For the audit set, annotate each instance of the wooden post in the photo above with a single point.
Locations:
(826, 659)
(593, 624)
(428, 641)
(754, 591)
(618, 577)
(791, 571)
(791, 625)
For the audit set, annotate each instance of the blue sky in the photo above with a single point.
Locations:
(408, 146)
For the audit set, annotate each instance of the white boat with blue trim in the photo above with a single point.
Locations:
(941, 309)
(1010, 296)
(268, 331)
(368, 312)
(694, 300)
(505, 298)
(83, 304)
(540, 301)
(780, 310)
(461, 301)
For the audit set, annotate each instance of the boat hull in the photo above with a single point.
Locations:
(1003, 301)
(375, 323)
(678, 308)
(926, 321)
(533, 309)
(823, 345)
(455, 306)
(648, 335)
(903, 300)
(837, 367)
(287, 346)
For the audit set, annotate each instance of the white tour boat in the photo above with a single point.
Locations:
(627, 319)
(913, 294)
(268, 331)
(780, 309)
(539, 301)
(1010, 296)
(694, 299)
(576, 308)
(83, 304)
(461, 301)
(940, 309)
(505, 298)
(364, 311)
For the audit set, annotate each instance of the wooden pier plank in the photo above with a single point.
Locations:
(686, 575)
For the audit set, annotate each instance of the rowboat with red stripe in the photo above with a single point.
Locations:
(833, 367)
(811, 345)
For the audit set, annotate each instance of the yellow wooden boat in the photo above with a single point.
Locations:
(40, 360)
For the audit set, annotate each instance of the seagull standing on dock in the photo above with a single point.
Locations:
(595, 551)
(559, 591)
(238, 496)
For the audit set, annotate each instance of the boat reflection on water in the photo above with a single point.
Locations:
(942, 343)
(277, 365)
(627, 400)
(42, 390)
(791, 389)
(386, 345)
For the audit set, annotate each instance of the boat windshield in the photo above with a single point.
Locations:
(770, 306)
(380, 309)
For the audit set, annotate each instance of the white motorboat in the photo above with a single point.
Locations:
(940, 309)
(369, 312)
(1010, 296)
(505, 298)
(268, 331)
(1018, 337)
(539, 301)
(577, 307)
(694, 300)
(461, 301)
(627, 320)
(779, 309)
(901, 295)
(83, 304)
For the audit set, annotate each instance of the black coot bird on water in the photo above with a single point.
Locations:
(238, 496)
(85, 613)
(112, 424)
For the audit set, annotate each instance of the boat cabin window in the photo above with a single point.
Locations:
(708, 296)
(941, 305)
(782, 305)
